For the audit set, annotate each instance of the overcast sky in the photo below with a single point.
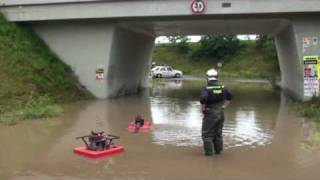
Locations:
(164, 39)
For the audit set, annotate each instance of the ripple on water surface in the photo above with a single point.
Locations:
(180, 125)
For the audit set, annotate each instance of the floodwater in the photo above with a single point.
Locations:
(264, 139)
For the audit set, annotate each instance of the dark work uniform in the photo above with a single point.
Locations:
(213, 97)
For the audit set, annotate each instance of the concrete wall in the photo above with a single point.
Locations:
(86, 46)
(291, 77)
(130, 61)
(36, 10)
(291, 52)
(306, 28)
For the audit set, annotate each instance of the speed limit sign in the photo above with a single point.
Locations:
(198, 6)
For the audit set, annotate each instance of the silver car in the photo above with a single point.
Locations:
(165, 72)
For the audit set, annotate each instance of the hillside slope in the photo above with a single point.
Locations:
(33, 81)
(248, 62)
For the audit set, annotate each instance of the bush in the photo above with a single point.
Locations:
(216, 47)
(179, 43)
(267, 45)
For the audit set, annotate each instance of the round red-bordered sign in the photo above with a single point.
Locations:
(198, 6)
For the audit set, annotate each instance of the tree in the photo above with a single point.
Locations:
(216, 46)
(267, 45)
(177, 39)
(179, 42)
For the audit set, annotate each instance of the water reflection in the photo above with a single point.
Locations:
(310, 135)
(263, 138)
(246, 131)
(178, 121)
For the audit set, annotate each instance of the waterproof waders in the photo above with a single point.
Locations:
(212, 125)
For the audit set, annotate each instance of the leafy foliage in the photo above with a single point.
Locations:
(267, 45)
(248, 62)
(180, 43)
(216, 47)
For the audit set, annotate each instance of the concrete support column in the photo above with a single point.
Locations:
(130, 62)
(291, 77)
(121, 56)
(291, 51)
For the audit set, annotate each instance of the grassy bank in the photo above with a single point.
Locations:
(248, 62)
(34, 82)
(310, 109)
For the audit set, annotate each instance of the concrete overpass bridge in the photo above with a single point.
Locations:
(115, 38)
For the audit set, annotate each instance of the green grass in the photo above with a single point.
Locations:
(249, 62)
(310, 109)
(34, 82)
(40, 107)
(167, 56)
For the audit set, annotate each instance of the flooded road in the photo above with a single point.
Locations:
(263, 139)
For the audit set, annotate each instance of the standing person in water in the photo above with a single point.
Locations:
(214, 99)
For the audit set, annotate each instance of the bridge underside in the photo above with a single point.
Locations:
(108, 60)
(119, 52)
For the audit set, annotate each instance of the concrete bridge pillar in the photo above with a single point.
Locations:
(107, 59)
(301, 38)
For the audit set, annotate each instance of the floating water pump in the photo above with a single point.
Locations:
(145, 128)
(98, 144)
(139, 124)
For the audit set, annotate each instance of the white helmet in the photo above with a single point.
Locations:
(212, 74)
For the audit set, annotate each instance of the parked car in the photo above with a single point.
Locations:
(165, 72)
